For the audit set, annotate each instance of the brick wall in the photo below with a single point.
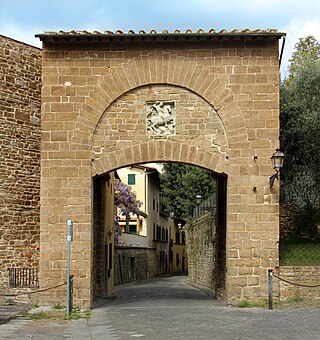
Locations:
(134, 264)
(201, 250)
(20, 76)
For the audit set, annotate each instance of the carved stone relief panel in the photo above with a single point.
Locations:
(161, 118)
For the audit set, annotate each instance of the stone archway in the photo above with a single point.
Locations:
(197, 137)
(226, 89)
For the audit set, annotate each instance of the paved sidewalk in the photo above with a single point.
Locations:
(169, 308)
(7, 311)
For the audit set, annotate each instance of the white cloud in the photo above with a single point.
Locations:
(296, 29)
(20, 34)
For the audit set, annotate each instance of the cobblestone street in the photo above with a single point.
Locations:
(169, 308)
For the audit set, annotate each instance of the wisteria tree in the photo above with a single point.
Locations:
(126, 200)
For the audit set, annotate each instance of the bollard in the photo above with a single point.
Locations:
(270, 289)
(70, 305)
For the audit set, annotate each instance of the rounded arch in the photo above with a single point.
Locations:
(158, 67)
(121, 137)
(154, 69)
(157, 151)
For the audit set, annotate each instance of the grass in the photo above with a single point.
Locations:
(58, 314)
(253, 304)
(57, 306)
(10, 302)
(296, 300)
(299, 252)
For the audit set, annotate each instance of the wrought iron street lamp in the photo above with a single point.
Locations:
(198, 198)
(196, 211)
(277, 163)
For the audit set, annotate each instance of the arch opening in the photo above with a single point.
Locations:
(162, 239)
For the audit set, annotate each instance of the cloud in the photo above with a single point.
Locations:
(21, 34)
(296, 29)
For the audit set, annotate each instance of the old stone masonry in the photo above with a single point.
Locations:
(111, 100)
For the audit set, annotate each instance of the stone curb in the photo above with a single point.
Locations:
(206, 290)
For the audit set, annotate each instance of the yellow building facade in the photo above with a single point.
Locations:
(178, 261)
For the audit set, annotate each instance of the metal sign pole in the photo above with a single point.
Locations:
(69, 239)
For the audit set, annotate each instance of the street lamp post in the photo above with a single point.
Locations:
(198, 198)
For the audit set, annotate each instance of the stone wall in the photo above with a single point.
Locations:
(135, 264)
(287, 215)
(20, 102)
(306, 275)
(201, 250)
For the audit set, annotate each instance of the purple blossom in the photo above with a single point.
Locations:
(125, 199)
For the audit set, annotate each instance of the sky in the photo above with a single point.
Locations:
(22, 19)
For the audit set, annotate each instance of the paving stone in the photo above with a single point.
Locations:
(169, 308)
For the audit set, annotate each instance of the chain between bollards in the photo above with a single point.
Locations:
(270, 289)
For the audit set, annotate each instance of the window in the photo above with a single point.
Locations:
(133, 229)
(170, 256)
(158, 238)
(177, 237)
(23, 277)
(131, 179)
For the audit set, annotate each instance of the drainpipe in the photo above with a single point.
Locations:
(282, 48)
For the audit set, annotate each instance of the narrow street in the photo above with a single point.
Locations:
(169, 308)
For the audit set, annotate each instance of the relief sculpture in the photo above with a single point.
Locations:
(161, 118)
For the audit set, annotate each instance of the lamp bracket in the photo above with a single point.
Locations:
(272, 179)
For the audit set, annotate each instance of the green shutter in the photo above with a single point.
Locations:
(131, 179)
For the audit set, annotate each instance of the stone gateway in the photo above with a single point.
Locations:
(111, 100)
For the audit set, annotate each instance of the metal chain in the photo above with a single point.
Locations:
(35, 291)
(296, 284)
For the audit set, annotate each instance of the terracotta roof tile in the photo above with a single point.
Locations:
(188, 31)
(154, 35)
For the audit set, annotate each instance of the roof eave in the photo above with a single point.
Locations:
(60, 37)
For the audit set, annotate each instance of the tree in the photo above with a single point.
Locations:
(300, 134)
(180, 184)
(126, 200)
(306, 49)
